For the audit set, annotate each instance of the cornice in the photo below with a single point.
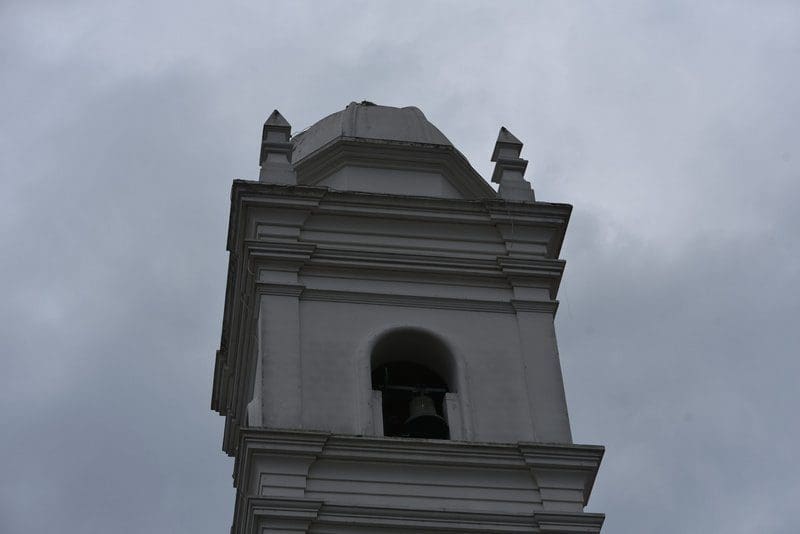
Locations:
(531, 267)
(252, 193)
(557, 456)
(263, 192)
(260, 441)
(528, 213)
(422, 451)
(283, 441)
(325, 518)
(532, 272)
(292, 514)
(318, 517)
(293, 255)
(569, 523)
(280, 255)
(536, 306)
(245, 193)
(287, 290)
(582, 459)
(563, 468)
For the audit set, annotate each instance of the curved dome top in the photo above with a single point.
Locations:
(366, 120)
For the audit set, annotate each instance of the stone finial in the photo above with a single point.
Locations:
(509, 170)
(276, 151)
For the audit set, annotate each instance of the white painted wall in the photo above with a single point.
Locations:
(371, 274)
(392, 181)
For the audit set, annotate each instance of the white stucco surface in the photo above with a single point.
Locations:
(391, 181)
(384, 244)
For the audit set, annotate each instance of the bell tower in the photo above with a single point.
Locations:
(388, 360)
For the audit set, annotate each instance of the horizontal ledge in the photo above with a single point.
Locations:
(408, 301)
(423, 451)
(426, 520)
(354, 518)
(569, 523)
(495, 209)
(387, 299)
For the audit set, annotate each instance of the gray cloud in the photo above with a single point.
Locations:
(671, 127)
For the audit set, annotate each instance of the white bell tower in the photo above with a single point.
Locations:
(388, 359)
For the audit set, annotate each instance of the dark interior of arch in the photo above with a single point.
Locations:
(400, 382)
(417, 347)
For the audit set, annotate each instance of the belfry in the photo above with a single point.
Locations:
(388, 361)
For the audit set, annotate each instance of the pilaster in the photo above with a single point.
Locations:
(543, 377)
(280, 358)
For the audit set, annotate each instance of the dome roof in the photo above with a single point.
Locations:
(365, 120)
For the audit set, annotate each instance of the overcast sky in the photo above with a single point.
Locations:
(672, 127)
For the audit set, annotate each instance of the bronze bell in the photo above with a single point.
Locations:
(423, 421)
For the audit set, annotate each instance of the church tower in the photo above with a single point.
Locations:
(388, 361)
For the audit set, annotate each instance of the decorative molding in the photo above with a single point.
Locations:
(495, 280)
(528, 213)
(531, 272)
(565, 523)
(423, 451)
(411, 301)
(514, 219)
(559, 470)
(270, 514)
(380, 259)
(285, 443)
(289, 290)
(558, 456)
(538, 306)
(521, 268)
(247, 194)
(281, 463)
(280, 255)
(337, 519)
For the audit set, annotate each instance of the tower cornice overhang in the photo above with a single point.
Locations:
(318, 517)
(553, 508)
(247, 193)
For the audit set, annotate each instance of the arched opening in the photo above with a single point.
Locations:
(412, 371)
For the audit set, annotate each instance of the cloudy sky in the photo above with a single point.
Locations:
(673, 128)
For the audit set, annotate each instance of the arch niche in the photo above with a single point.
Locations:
(413, 372)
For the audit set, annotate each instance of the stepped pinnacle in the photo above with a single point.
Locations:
(509, 170)
(276, 151)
